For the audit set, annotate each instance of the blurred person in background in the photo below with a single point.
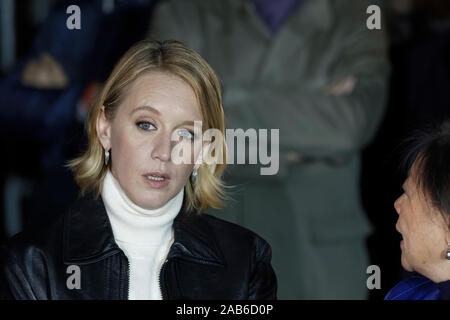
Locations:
(45, 99)
(424, 218)
(313, 70)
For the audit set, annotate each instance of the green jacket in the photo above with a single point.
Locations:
(310, 212)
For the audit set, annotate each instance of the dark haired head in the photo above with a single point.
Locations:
(429, 155)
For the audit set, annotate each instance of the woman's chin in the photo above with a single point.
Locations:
(148, 202)
(405, 264)
(151, 204)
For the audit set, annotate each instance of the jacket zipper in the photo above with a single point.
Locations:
(126, 283)
(160, 280)
(128, 274)
(162, 285)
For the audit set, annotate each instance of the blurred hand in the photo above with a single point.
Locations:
(44, 73)
(344, 86)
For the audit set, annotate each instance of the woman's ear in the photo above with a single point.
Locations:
(104, 129)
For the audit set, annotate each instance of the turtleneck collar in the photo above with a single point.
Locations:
(133, 224)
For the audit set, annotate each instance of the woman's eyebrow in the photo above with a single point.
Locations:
(187, 123)
(147, 108)
(155, 111)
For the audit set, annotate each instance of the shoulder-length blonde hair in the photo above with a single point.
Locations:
(178, 59)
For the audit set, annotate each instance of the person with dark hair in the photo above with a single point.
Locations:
(424, 218)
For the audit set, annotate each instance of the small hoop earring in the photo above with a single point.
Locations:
(106, 157)
(194, 176)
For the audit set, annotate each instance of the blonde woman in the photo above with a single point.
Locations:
(138, 230)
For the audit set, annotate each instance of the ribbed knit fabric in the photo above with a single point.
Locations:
(144, 235)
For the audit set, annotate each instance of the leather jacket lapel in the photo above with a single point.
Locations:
(194, 240)
(88, 236)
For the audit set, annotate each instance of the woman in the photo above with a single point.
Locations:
(137, 231)
(424, 219)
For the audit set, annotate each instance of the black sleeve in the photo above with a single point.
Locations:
(263, 282)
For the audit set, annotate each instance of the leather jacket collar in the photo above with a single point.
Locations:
(88, 236)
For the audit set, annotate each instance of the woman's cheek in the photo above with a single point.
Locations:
(187, 169)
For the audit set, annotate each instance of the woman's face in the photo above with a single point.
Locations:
(156, 105)
(423, 229)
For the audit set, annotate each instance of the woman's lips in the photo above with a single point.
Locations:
(156, 184)
(158, 174)
(402, 242)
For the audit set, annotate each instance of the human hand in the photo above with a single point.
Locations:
(342, 87)
(44, 73)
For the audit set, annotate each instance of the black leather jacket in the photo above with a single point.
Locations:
(209, 259)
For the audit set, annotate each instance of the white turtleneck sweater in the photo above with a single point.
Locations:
(145, 236)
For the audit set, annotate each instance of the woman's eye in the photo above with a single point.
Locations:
(186, 134)
(144, 125)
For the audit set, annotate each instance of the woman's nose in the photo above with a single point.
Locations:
(162, 148)
(397, 204)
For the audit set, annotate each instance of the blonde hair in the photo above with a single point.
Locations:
(175, 58)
